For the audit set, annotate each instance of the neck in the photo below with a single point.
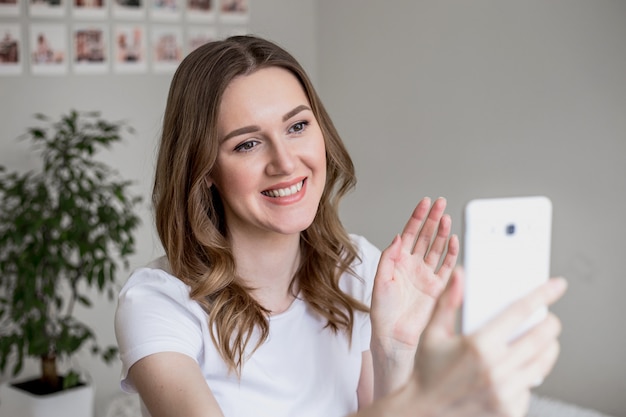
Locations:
(268, 267)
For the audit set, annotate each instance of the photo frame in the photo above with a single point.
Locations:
(9, 8)
(128, 9)
(49, 52)
(89, 9)
(166, 48)
(46, 8)
(166, 10)
(129, 49)
(234, 11)
(198, 36)
(90, 49)
(11, 49)
(200, 11)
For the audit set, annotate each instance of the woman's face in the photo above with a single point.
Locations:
(271, 166)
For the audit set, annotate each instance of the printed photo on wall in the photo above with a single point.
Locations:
(166, 10)
(128, 9)
(200, 10)
(234, 11)
(129, 49)
(198, 36)
(90, 49)
(46, 8)
(48, 49)
(89, 9)
(167, 48)
(9, 8)
(10, 49)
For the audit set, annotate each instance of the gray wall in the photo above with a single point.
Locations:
(454, 98)
(487, 98)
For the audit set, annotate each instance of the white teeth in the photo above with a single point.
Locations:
(284, 192)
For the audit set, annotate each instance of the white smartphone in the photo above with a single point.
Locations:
(506, 254)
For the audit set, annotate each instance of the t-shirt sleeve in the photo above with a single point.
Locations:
(365, 271)
(155, 314)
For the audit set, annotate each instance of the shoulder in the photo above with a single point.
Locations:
(367, 251)
(368, 256)
(155, 277)
(153, 288)
(359, 282)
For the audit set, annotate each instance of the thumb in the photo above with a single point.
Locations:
(442, 321)
(388, 258)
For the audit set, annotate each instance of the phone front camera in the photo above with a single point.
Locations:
(510, 229)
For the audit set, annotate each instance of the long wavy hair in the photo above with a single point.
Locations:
(189, 212)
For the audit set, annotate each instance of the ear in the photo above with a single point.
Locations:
(208, 181)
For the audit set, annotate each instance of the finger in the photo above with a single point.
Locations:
(438, 246)
(528, 346)
(449, 262)
(429, 228)
(414, 224)
(541, 367)
(535, 371)
(443, 318)
(515, 315)
(516, 404)
(388, 258)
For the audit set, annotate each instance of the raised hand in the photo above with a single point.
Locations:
(412, 273)
(484, 373)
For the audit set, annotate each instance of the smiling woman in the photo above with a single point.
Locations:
(264, 304)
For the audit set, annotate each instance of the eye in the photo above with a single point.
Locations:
(246, 146)
(298, 127)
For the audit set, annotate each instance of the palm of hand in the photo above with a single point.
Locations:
(409, 279)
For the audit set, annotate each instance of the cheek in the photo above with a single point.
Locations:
(230, 180)
(321, 157)
(318, 151)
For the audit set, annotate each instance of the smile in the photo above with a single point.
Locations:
(284, 192)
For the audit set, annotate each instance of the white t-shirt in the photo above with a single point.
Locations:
(303, 368)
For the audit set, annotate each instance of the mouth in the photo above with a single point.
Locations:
(284, 192)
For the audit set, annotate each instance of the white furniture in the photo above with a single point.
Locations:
(126, 405)
(75, 402)
(550, 407)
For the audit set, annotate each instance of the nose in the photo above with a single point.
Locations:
(282, 159)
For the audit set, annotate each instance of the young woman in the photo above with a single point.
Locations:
(264, 305)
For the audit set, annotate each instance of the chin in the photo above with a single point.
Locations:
(296, 227)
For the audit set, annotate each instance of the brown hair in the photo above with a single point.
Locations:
(189, 213)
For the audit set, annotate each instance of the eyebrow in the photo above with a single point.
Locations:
(295, 111)
(255, 128)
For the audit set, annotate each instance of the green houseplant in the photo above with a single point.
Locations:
(63, 231)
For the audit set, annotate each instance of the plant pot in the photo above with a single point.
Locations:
(74, 402)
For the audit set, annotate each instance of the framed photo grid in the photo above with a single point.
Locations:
(60, 37)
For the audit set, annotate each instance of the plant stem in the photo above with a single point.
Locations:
(49, 374)
(74, 288)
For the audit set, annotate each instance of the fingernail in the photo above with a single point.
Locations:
(558, 285)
